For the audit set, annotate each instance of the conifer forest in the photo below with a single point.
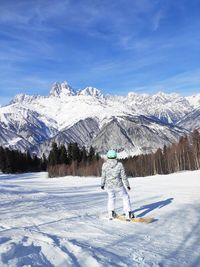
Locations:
(76, 161)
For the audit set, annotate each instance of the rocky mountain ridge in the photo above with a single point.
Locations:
(132, 124)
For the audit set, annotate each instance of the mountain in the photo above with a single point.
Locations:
(132, 124)
(191, 121)
(194, 100)
(135, 135)
(12, 140)
(90, 91)
(128, 134)
(167, 107)
(63, 89)
(20, 98)
(81, 132)
(27, 123)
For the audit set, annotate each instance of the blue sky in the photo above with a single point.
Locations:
(117, 46)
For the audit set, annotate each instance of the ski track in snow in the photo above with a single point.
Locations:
(54, 222)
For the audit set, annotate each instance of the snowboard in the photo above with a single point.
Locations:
(134, 220)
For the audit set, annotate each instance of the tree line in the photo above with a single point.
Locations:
(73, 160)
(76, 161)
(184, 155)
(13, 161)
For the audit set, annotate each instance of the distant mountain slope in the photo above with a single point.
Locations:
(191, 121)
(128, 134)
(136, 123)
(12, 140)
(135, 135)
(81, 132)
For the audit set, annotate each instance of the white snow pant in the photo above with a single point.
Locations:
(123, 194)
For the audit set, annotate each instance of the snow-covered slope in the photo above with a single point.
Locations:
(90, 91)
(166, 107)
(191, 121)
(60, 115)
(130, 135)
(54, 222)
(27, 123)
(81, 132)
(12, 140)
(135, 135)
(194, 100)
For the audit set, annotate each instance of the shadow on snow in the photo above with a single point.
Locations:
(150, 207)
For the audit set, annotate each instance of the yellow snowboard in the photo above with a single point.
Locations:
(135, 220)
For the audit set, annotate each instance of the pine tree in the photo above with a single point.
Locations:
(91, 154)
(44, 163)
(2, 159)
(63, 157)
(54, 155)
(69, 152)
(76, 155)
(28, 161)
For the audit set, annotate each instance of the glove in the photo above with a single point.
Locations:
(128, 187)
(102, 187)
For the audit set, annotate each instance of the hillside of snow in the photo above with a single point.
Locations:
(132, 124)
(54, 222)
(65, 106)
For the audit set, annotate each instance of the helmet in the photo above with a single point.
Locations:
(112, 154)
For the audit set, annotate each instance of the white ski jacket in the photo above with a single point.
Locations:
(113, 175)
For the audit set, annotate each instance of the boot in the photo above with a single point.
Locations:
(129, 215)
(112, 214)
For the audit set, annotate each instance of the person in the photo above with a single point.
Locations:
(115, 182)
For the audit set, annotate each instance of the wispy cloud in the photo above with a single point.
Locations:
(124, 44)
(184, 83)
(31, 12)
(25, 85)
(156, 20)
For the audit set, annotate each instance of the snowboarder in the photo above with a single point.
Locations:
(114, 180)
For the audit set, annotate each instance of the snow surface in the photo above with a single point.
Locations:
(54, 222)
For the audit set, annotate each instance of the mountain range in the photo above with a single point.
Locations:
(132, 124)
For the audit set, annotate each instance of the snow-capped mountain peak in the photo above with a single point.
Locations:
(194, 100)
(19, 98)
(63, 89)
(162, 97)
(90, 118)
(55, 89)
(91, 91)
